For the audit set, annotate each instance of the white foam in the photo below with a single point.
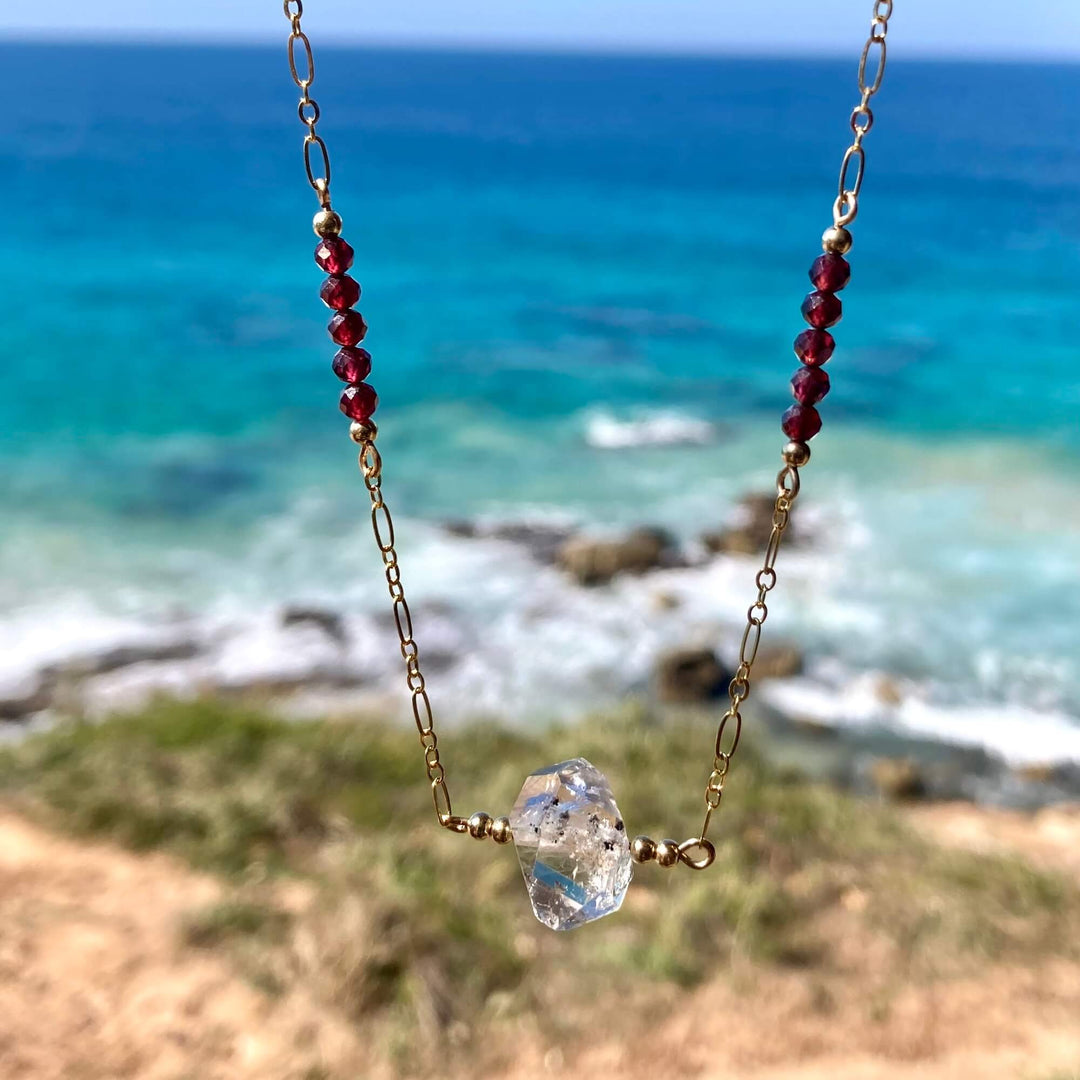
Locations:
(605, 431)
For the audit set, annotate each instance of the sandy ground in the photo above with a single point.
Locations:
(95, 983)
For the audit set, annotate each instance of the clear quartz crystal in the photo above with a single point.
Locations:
(571, 844)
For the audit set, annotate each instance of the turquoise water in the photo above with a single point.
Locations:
(553, 250)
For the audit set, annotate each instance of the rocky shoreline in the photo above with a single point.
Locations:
(332, 667)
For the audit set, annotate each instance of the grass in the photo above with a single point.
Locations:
(409, 925)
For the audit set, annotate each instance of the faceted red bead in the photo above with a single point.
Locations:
(333, 255)
(801, 422)
(359, 402)
(830, 272)
(814, 347)
(347, 327)
(809, 385)
(340, 292)
(821, 309)
(352, 365)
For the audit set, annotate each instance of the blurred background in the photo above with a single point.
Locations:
(583, 234)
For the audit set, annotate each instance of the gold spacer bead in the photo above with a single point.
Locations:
(836, 239)
(363, 431)
(480, 825)
(796, 454)
(326, 223)
(667, 852)
(643, 849)
(501, 832)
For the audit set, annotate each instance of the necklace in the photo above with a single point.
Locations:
(571, 842)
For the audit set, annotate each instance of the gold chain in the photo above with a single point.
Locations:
(308, 108)
(873, 58)
(382, 525)
(698, 851)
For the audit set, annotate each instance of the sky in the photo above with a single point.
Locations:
(991, 28)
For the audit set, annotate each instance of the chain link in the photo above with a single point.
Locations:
(382, 525)
(730, 728)
(871, 72)
(316, 165)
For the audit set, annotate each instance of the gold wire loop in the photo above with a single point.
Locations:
(704, 860)
(309, 60)
(871, 88)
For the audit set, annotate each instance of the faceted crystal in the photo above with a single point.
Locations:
(571, 844)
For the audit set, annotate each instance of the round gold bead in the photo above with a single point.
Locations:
(480, 825)
(501, 832)
(836, 239)
(667, 853)
(326, 223)
(643, 849)
(796, 454)
(363, 431)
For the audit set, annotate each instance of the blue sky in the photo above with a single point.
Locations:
(1035, 28)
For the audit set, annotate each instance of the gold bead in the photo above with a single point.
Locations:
(480, 825)
(363, 431)
(796, 454)
(836, 239)
(643, 849)
(667, 852)
(500, 830)
(326, 223)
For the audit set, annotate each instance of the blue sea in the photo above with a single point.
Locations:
(582, 276)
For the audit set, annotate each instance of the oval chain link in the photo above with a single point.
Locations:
(382, 525)
(307, 109)
(871, 72)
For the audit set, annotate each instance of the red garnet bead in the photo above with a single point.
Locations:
(340, 292)
(347, 327)
(821, 309)
(809, 385)
(352, 365)
(358, 402)
(333, 255)
(830, 272)
(814, 347)
(801, 422)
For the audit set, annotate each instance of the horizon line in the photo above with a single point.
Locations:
(511, 46)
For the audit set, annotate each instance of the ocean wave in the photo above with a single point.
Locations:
(605, 431)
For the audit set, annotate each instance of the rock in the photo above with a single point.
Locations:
(778, 661)
(21, 705)
(690, 675)
(748, 531)
(121, 656)
(541, 541)
(898, 779)
(593, 562)
(887, 691)
(329, 622)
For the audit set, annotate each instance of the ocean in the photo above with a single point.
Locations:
(582, 276)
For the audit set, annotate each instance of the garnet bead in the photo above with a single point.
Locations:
(352, 365)
(809, 385)
(821, 309)
(340, 292)
(830, 272)
(333, 255)
(347, 327)
(358, 402)
(814, 347)
(801, 422)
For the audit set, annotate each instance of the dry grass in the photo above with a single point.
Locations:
(337, 883)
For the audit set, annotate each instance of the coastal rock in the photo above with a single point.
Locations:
(329, 622)
(898, 779)
(594, 562)
(689, 676)
(781, 660)
(748, 531)
(542, 541)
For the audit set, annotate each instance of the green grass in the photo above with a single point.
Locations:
(407, 918)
